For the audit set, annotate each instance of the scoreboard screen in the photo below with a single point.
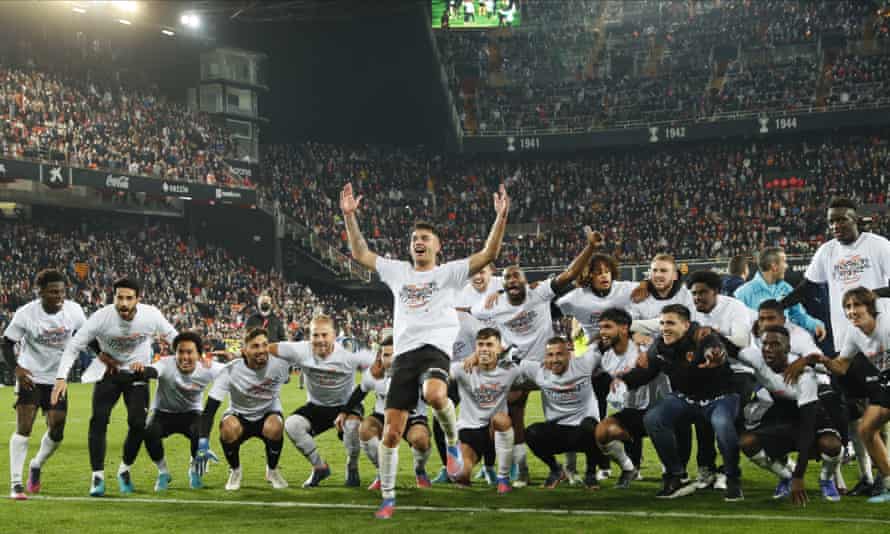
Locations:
(470, 14)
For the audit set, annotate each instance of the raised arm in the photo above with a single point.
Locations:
(496, 236)
(357, 244)
(594, 241)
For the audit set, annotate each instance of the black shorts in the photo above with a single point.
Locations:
(478, 439)
(410, 370)
(253, 429)
(631, 420)
(413, 420)
(40, 395)
(779, 438)
(169, 423)
(322, 418)
(868, 381)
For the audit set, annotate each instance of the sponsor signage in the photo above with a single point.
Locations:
(61, 177)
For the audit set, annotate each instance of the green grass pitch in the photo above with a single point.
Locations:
(333, 508)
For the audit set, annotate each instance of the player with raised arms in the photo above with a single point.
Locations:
(425, 326)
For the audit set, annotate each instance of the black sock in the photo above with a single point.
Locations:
(273, 451)
(232, 452)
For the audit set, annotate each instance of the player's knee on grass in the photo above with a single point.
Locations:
(369, 429)
(829, 444)
(273, 428)
(609, 430)
(501, 422)
(394, 427)
(419, 437)
(749, 444)
(230, 429)
(297, 427)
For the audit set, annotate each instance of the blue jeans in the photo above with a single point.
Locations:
(660, 421)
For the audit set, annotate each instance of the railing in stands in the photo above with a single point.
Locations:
(883, 103)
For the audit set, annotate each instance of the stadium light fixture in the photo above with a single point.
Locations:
(128, 6)
(168, 33)
(78, 10)
(125, 22)
(190, 20)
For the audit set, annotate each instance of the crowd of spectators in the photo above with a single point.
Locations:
(101, 124)
(713, 200)
(198, 287)
(651, 61)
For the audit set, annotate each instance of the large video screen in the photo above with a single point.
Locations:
(469, 14)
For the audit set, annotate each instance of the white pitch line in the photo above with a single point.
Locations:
(460, 509)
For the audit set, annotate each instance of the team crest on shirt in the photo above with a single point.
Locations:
(849, 270)
(522, 322)
(418, 295)
(486, 396)
(53, 337)
(122, 344)
(690, 357)
(567, 392)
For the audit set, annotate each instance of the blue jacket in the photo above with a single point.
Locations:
(755, 291)
(730, 284)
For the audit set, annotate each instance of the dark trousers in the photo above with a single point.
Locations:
(546, 440)
(105, 395)
(662, 420)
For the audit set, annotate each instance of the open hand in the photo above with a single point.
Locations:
(349, 203)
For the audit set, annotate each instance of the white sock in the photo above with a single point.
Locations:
(765, 462)
(829, 465)
(448, 421)
(863, 460)
(100, 474)
(124, 468)
(839, 476)
(18, 450)
(352, 443)
(519, 457)
(47, 448)
(420, 459)
(503, 447)
(389, 468)
(371, 448)
(298, 429)
(162, 466)
(615, 450)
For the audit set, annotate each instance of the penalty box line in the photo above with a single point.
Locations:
(466, 509)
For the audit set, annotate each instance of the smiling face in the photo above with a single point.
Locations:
(557, 357)
(187, 355)
(488, 349)
(256, 352)
(125, 301)
(515, 284)
(321, 332)
(425, 247)
(673, 327)
(662, 274)
(775, 347)
(481, 279)
(859, 315)
(612, 334)
(842, 223)
(52, 297)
